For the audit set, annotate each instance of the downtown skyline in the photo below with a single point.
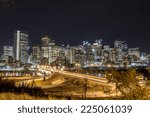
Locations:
(38, 43)
(86, 54)
(74, 21)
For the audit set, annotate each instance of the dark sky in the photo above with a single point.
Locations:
(73, 21)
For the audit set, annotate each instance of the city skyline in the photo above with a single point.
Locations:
(38, 43)
(48, 52)
(73, 21)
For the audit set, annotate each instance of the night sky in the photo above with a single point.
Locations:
(73, 21)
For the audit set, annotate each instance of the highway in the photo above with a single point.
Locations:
(101, 80)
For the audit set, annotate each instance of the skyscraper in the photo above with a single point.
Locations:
(21, 46)
(88, 54)
(45, 49)
(36, 54)
(7, 53)
(53, 52)
(121, 48)
(97, 51)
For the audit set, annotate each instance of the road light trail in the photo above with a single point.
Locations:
(101, 80)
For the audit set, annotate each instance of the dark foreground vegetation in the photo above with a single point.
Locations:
(129, 85)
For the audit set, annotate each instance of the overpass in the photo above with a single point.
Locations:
(101, 80)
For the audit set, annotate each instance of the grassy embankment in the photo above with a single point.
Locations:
(63, 87)
(66, 85)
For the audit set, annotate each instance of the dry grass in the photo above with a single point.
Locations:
(66, 85)
(61, 87)
(19, 79)
(11, 96)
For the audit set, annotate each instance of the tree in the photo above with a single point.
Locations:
(127, 83)
(114, 76)
(85, 87)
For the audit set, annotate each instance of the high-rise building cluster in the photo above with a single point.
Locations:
(18, 53)
(86, 55)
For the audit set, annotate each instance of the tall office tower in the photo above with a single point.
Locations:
(53, 52)
(8, 53)
(45, 49)
(36, 54)
(62, 52)
(97, 50)
(106, 55)
(121, 49)
(79, 56)
(113, 55)
(21, 46)
(70, 52)
(88, 54)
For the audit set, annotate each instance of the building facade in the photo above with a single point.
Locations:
(36, 54)
(21, 46)
(8, 54)
(45, 50)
